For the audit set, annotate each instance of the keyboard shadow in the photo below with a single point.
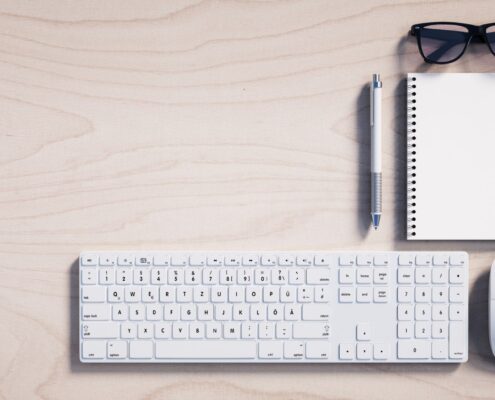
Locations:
(224, 369)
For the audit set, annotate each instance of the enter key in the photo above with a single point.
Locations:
(457, 340)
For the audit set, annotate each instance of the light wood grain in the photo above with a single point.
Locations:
(205, 125)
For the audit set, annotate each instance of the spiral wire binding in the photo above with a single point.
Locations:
(411, 156)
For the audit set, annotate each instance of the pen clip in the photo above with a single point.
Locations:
(371, 105)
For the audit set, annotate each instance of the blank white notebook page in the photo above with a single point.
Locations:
(451, 156)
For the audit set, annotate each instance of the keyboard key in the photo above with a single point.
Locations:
(456, 275)
(439, 312)
(439, 330)
(322, 260)
(382, 260)
(456, 312)
(439, 349)
(380, 295)
(89, 259)
(317, 276)
(364, 260)
(457, 340)
(141, 349)
(423, 275)
(317, 350)
(405, 330)
(271, 350)
(311, 330)
(439, 275)
(346, 295)
(145, 260)
(117, 349)
(380, 276)
(405, 275)
(93, 294)
(304, 261)
(423, 260)
(364, 294)
(178, 261)
(95, 312)
(364, 351)
(124, 261)
(216, 261)
(406, 259)
(230, 261)
(364, 275)
(99, 330)
(315, 312)
(413, 349)
(458, 259)
(197, 260)
(363, 331)
(441, 259)
(347, 260)
(346, 351)
(206, 350)
(94, 349)
(346, 275)
(456, 294)
(294, 350)
(89, 276)
(268, 260)
(381, 351)
(108, 260)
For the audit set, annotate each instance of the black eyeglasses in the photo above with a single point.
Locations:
(446, 42)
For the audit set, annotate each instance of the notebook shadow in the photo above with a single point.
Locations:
(76, 367)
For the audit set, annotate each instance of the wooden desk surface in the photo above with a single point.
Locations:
(205, 125)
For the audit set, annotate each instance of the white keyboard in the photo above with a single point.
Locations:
(304, 307)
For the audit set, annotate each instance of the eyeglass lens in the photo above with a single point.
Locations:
(444, 42)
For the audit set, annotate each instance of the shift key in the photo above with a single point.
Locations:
(99, 330)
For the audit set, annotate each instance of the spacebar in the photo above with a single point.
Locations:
(211, 349)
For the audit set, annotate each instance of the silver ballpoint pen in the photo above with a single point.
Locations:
(376, 149)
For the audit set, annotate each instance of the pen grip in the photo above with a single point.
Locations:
(376, 193)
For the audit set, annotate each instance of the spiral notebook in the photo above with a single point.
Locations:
(451, 156)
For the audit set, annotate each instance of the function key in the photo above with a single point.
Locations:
(144, 261)
(249, 261)
(441, 259)
(347, 260)
(286, 260)
(268, 260)
(423, 259)
(197, 261)
(406, 259)
(381, 260)
(89, 259)
(304, 261)
(364, 260)
(214, 261)
(125, 261)
(108, 261)
(161, 260)
(458, 259)
(178, 260)
(322, 260)
(232, 261)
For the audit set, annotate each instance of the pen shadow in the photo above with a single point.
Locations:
(77, 367)
(364, 160)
